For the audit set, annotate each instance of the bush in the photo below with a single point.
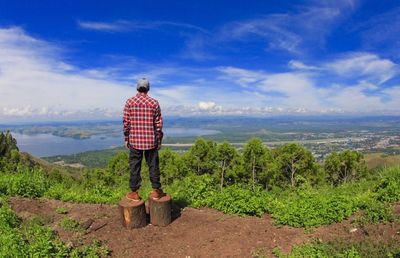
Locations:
(70, 224)
(313, 207)
(239, 200)
(196, 191)
(27, 183)
(388, 189)
(42, 241)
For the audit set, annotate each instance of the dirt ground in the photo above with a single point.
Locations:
(193, 232)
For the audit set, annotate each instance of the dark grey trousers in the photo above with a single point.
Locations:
(135, 162)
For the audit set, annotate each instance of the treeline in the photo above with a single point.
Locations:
(287, 165)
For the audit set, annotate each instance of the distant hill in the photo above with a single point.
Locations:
(32, 161)
(89, 159)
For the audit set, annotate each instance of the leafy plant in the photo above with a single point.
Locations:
(70, 224)
(61, 210)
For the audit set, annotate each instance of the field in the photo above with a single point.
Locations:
(376, 160)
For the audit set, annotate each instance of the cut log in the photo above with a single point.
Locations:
(133, 213)
(160, 211)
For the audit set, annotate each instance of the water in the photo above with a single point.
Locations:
(44, 145)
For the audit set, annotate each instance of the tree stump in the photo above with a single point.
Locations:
(160, 211)
(133, 213)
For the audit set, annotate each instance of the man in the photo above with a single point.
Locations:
(143, 135)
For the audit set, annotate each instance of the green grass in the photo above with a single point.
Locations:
(61, 210)
(70, 224)
(341, 249)
(32, 238)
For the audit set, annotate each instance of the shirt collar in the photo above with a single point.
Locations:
(143, 94)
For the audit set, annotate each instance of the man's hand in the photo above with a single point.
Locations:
(158, 142)
(127, 145)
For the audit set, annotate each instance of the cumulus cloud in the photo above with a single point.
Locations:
(35, 82)
(366, 65)
(300, 91)
(206, 105)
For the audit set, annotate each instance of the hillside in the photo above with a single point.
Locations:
(256, 202)
(205, 232)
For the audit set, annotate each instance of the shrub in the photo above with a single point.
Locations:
(196, 191)
(70, 224)
(388, 189)
(27, 183)
(239, 200)
(312, 207)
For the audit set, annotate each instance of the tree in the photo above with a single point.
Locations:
(271, 175)
(119, 164)
(9, 152)
(201, 157)
(226, 154)
(293, 160)
(345, 166)
(7, 144)
(253, 157)
(171, 166)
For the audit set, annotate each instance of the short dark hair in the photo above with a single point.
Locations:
(143, 89)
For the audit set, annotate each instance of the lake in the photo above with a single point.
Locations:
(44, 145)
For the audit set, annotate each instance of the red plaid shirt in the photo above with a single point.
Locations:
(142, 122)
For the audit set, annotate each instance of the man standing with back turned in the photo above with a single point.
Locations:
(143, 134)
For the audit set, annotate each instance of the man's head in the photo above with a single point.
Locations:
(143, 85)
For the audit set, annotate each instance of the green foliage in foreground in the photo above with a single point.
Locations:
(340, 249)
(33, 239)
(70, 224)
(304, 206)
(284, 182)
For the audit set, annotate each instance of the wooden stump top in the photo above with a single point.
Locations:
(165, 198)
(125, 202)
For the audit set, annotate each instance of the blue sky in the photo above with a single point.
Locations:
(73, 60)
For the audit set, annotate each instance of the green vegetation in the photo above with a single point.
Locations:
(382, 159)
(61, 210)
(32, 239)
(90, 159)
(285, 182)
(339, 249)
(70, 224)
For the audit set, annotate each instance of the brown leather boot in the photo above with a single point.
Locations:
(133, 196)
(156, 194)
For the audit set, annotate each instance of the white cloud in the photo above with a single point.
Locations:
(295, 64)
(34, 82)
(203, 105)
(118, 26)
(286, 31)
(366, 65)
(298, 92)
(127, 26)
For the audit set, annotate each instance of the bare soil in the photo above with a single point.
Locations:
(193, 232)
